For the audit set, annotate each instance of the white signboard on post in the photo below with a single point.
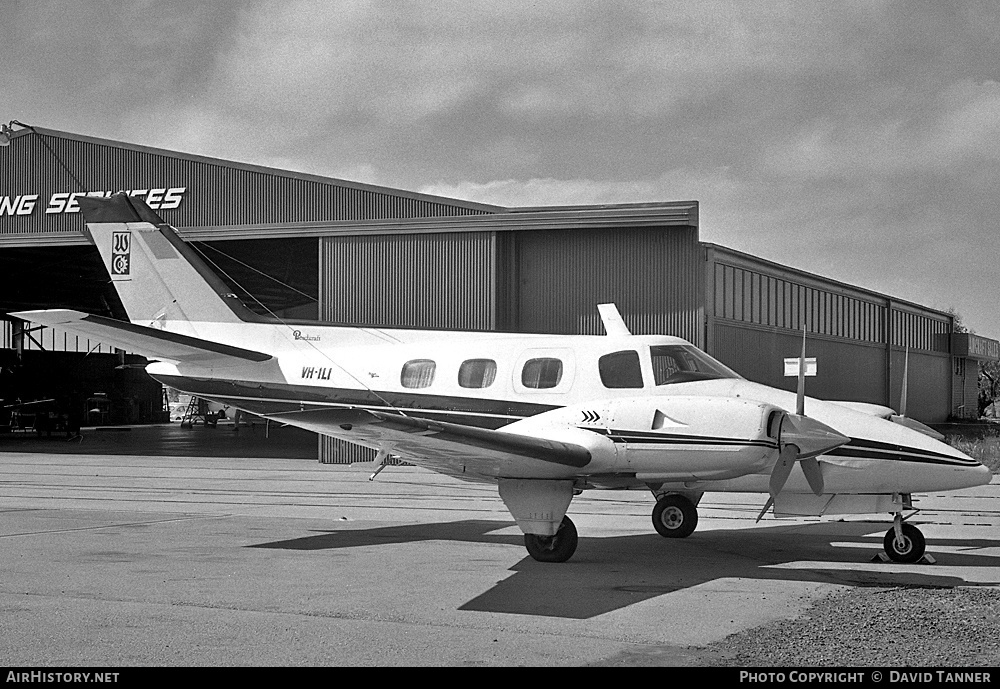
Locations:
(792, 367)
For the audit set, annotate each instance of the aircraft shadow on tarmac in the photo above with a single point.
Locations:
(607, 574)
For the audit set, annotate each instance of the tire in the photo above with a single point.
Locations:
(913, 544)
(558, 548)
(675, 517)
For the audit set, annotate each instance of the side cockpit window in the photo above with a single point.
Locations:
(418, 373)
(684, 363)
(621, 370)
(541, 374)
(477, 373)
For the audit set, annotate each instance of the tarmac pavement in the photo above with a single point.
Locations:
(129, 560)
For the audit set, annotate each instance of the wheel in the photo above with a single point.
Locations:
(675, 517)
(910, 550)
(558, 548)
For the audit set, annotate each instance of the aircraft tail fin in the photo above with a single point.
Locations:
(159, 278)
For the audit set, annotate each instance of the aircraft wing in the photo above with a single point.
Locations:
(150, 342)
(418, 433)
(438, 443)
(878, 410)
(889, 414)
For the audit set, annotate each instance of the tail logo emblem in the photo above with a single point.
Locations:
(121, 253)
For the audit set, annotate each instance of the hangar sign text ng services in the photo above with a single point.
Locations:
(162, 198)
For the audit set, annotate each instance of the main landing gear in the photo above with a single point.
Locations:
(675, 516)
(558, 548)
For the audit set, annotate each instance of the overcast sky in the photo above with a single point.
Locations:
(858, 140)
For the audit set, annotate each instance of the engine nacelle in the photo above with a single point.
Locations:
(669, 438)
(694, 438)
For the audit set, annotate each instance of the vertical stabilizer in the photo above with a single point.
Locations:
(613, 323)
(160, 279)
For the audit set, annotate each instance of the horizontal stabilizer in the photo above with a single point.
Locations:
(150, 342)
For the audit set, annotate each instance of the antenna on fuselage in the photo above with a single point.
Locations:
(614, 325)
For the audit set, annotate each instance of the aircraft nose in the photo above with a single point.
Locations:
(973, 473)
(981, 474)
(951, 467)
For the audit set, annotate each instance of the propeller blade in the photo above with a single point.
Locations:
(901, 417)
(780, 473)
(814, 474)
(800, 396)
(767, 506)
(902, 394)
(782, 468)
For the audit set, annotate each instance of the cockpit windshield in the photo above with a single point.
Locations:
(683, 363)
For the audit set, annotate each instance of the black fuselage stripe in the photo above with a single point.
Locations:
(652, 438)
(872, 450)
(907, 455)
(484, 413)
(876, 446)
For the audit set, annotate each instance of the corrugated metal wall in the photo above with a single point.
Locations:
(443, 280)
(438, 280)
(853, 371)
(756, 311)
(929, 386)
(652, 274)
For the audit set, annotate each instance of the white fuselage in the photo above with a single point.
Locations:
(645, 427)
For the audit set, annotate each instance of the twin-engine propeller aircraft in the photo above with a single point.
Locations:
(543, 417)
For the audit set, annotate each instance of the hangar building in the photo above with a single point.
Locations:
(305, 246)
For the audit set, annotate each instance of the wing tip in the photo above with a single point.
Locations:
(50, 315)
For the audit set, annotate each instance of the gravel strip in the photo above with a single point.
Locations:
(906, 626)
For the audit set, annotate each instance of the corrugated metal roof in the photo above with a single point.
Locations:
(738, 258)
(667, 214)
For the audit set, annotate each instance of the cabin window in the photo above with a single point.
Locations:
(621, 370)
(477, 373)
(541, 374)
(418, 373)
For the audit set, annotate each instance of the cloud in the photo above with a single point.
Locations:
(856, 139)
(961, 126)
(676, 185)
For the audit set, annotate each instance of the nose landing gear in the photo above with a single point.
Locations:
(903, 542)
